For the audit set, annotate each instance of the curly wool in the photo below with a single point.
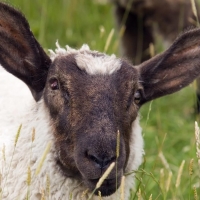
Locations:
(18, 107)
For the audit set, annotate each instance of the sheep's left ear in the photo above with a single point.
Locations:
(172, 70)
(20, 53)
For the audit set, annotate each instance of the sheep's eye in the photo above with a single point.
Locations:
(137, 97)
(54, 84)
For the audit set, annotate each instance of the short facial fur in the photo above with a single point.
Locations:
(90, 96)
(87, 112)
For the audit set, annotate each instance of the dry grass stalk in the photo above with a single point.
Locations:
(8, 171)
(163, 160)
(102, 2)
(197, 137)
(149, 111)
(162, 179)
(122, 187)
(105, 175)
(28, 180)
(46, 151)
(71, 196)
(99, 195)
(83, 195)
(102, 31)
(18, 134)
(151, 50)
(42, 195)
(101, 180)
(191, 167)
(117, 152)
(195, 193)
(139, 194)
(0, 179)
(33, 135)
(108, 41)
(194, 10)
(180, 171)
(150, 198)
(47, 185)
(4, 153)
(122, 30)
(168, 181)
(118, 144)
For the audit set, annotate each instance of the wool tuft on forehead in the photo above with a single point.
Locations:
(93, 62)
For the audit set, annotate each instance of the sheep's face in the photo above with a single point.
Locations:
(88, 109)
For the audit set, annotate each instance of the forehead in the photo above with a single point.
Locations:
(91, 65)
(93, 62)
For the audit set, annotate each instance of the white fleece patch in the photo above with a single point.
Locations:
(98, 64)
(92, 62)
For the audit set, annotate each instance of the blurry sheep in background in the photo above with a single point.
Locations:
(144, 20)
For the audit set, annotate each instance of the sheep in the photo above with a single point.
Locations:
(146, 20)
(83, 100)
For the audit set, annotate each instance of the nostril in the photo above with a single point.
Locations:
(95, 159)
(102, 162)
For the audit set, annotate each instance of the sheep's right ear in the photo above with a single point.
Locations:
(20, 53)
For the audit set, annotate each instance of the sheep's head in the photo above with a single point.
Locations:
(91, 97)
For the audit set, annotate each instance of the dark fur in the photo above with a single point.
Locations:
(86, 110)
(146, 19)
(96, 110)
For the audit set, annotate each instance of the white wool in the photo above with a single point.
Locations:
(97, 65)
(92, 62)
(18, 107)
(64, 52)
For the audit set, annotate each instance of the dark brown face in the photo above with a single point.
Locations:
(87, 111)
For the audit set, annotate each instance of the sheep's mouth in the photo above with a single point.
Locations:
(108, 187)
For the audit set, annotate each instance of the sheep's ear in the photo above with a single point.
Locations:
(20, 53)
(174, 69)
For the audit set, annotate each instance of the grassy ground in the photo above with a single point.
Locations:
(168, 122)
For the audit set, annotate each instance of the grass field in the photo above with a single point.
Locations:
(168, 122)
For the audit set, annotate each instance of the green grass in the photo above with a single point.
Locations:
(170, 125)
(71, 22)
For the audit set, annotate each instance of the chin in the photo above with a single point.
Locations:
(108, 187)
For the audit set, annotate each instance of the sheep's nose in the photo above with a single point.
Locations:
(102, 162)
